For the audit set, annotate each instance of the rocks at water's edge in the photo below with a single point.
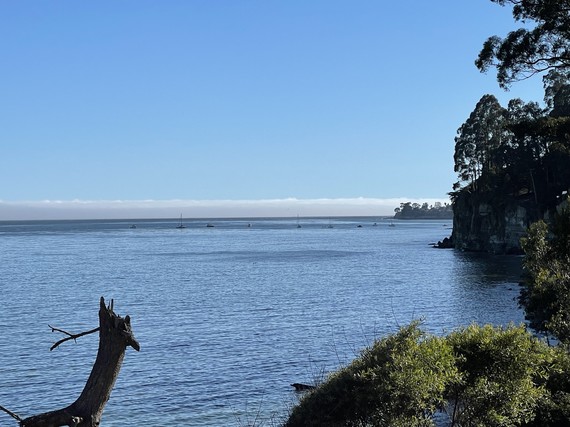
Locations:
(446, 243)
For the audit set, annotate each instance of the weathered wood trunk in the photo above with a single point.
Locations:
(115, 336)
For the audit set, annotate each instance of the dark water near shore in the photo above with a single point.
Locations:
(227, 316)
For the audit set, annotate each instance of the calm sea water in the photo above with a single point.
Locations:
(227, 316)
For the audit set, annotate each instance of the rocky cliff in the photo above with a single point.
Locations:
(484, 223)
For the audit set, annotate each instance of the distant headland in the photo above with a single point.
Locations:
(409, 210)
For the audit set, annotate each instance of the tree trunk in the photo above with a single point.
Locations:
(115, 336)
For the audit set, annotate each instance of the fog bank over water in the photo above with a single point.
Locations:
(127, 209)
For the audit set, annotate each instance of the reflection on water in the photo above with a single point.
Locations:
(485, 269)
(485, 283)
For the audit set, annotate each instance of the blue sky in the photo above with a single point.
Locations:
(210, 101)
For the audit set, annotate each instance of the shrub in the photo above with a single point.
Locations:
(546, 296)
(500, 376)
(477, 375)
(398, 381)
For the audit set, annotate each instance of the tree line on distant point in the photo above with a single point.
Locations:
(438, 210)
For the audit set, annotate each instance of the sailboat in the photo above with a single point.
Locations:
(180, 225)
(298, 223)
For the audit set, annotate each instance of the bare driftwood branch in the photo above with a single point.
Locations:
(115, 335)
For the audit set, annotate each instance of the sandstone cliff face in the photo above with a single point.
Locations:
(484, 224)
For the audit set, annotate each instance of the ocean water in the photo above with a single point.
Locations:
(227, 316)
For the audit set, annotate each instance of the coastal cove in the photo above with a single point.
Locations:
(228, 316)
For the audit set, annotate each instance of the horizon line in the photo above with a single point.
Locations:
(244, 208)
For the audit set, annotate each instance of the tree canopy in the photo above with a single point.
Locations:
(528, 51)
(521, 151)
(409, 210)
(478, 139)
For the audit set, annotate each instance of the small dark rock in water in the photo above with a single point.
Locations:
(302, 387)
(446, 243)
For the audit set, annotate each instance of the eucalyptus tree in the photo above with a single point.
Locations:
(525, 146)
(556, 83)
(527, 51)
(478, 142)
(524, 123)
(556, 130)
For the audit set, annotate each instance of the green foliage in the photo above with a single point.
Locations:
(521, 154)
(480, 376)
(553, 407)
(409, 210)
(555, 84)
(525, 52)
(478, 139)
(500, 375)
(547, 263)
(398, 381)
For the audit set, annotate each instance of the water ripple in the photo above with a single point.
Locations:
(226, 319)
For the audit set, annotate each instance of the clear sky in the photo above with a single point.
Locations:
(196, 102)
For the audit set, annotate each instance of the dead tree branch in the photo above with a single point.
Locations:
(11, 413)
(115, 335)
(69, 336)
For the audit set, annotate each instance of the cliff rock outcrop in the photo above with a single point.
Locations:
(483, 223)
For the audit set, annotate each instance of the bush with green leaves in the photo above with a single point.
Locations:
(553, 409)
(398, 381)
(546, 296)
(475, 376)
(500, 377)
